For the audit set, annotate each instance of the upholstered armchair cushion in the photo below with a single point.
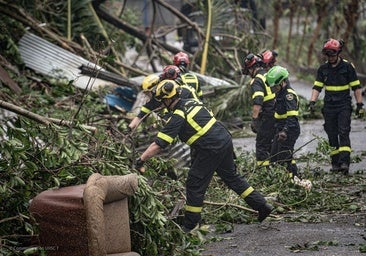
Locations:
(106, 206)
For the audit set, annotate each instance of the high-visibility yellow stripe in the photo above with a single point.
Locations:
(292, 91)
(201, 131)
(256, 94)
(355, 83)
(270, 95)
(195, 209)
(189, 79)
(247, 192)
(145, 110)
(263, 163)
(190, 116)
(293, 161)
(165, 137)
(287, 114)
(193, 92)
(293, 113)
(180, 113)
(319, 84)
(337, 88)
(344, 148)
(334, 152)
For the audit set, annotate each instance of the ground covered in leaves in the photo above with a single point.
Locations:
(328, 220)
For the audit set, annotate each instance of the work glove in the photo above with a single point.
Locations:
(360, 112)
(311, 107)
(139, 165)
(282, 136)
(254, 125)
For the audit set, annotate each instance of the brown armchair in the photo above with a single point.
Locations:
(90, 219)
(106, 205)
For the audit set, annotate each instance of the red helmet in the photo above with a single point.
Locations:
(170, 72)
(332, 46)
(181, 59)
(251, 61)
(268, 58)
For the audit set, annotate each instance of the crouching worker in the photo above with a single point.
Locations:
(287, 124)
(196, 126)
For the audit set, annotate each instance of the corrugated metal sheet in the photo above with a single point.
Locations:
(51, 60)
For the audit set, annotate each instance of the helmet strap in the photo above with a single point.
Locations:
(335, 62)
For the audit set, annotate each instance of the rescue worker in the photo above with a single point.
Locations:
(148, 86)
(286, 114)
(263, 101)
(337, 76)
(189, 90)
(269, 58)
(196, 126)
(181, 60)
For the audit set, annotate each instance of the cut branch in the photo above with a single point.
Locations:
(40, 119)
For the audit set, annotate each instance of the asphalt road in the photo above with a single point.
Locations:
(340, 235)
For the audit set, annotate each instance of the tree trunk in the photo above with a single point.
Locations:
(321, 8)
(304, 29)
(351, 16)
(115, 21)
(293, 8)
(277, 6)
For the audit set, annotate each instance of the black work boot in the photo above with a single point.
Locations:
(187, 230)
(344, 168)
(258, 203)
(192, 220)
(264, 211)
(335, 168)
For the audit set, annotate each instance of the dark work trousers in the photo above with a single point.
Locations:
(206, 162)
(282, 151)
(337, 125)
(265, 134)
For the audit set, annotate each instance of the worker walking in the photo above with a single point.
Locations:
(263, 100)
(337, 76)
(196, 126)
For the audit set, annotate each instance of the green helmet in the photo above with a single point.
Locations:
(276, 75)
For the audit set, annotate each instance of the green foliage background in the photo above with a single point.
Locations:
(36, 157)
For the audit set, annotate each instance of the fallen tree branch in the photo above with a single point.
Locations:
(9, 82)
(40, 119)
(236, 206)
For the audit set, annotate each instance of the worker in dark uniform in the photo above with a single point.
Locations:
(268, 58)
(337, 76)
(286, 115)
(181, 60)
(196, 126)
(148, 86)
(190, 90)
(263, 108)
